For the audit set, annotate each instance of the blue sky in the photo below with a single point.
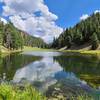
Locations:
(46, 18)
(0, 9)
(70, 11)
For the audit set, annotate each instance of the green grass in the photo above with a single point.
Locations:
(4, 51)
(81, 97)
(13, 92)
(90, 52)
(10, 92)
(36, 49)
(96, 52)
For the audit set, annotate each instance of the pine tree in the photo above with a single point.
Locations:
(95, 41)
(1, 40)
(68, 41)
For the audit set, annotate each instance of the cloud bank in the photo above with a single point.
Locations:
(32, 16)
(97, 11)
(3, 20)
(84, 16)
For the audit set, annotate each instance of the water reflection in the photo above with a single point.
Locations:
(39, 71)
(43, 54)
(49, 70)
(43, 69)
(85, 68)
(11, 63)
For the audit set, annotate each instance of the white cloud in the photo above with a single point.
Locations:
(3, 20)
(22, 15)
(47, 72)
(39, 26)
(1, 0)
(84, 16)
(97, 11)
(18, 22)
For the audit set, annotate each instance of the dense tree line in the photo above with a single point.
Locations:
(12, 38)
(87, 30)
(33, 41)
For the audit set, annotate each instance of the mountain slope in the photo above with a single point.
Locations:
(86, 31)
(12, 38)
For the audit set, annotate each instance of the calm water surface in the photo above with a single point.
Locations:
(44, 69)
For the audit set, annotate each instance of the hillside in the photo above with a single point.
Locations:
(85, 32)
(13, 39)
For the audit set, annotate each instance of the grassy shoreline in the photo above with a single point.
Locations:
(36, 49)
(5, 51)
(26, 49)
(85, 52)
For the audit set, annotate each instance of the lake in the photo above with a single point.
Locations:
(46, 70)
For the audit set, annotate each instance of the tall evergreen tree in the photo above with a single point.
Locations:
(95, 41)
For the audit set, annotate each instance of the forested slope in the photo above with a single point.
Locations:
(12, 38)
(86, 31)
